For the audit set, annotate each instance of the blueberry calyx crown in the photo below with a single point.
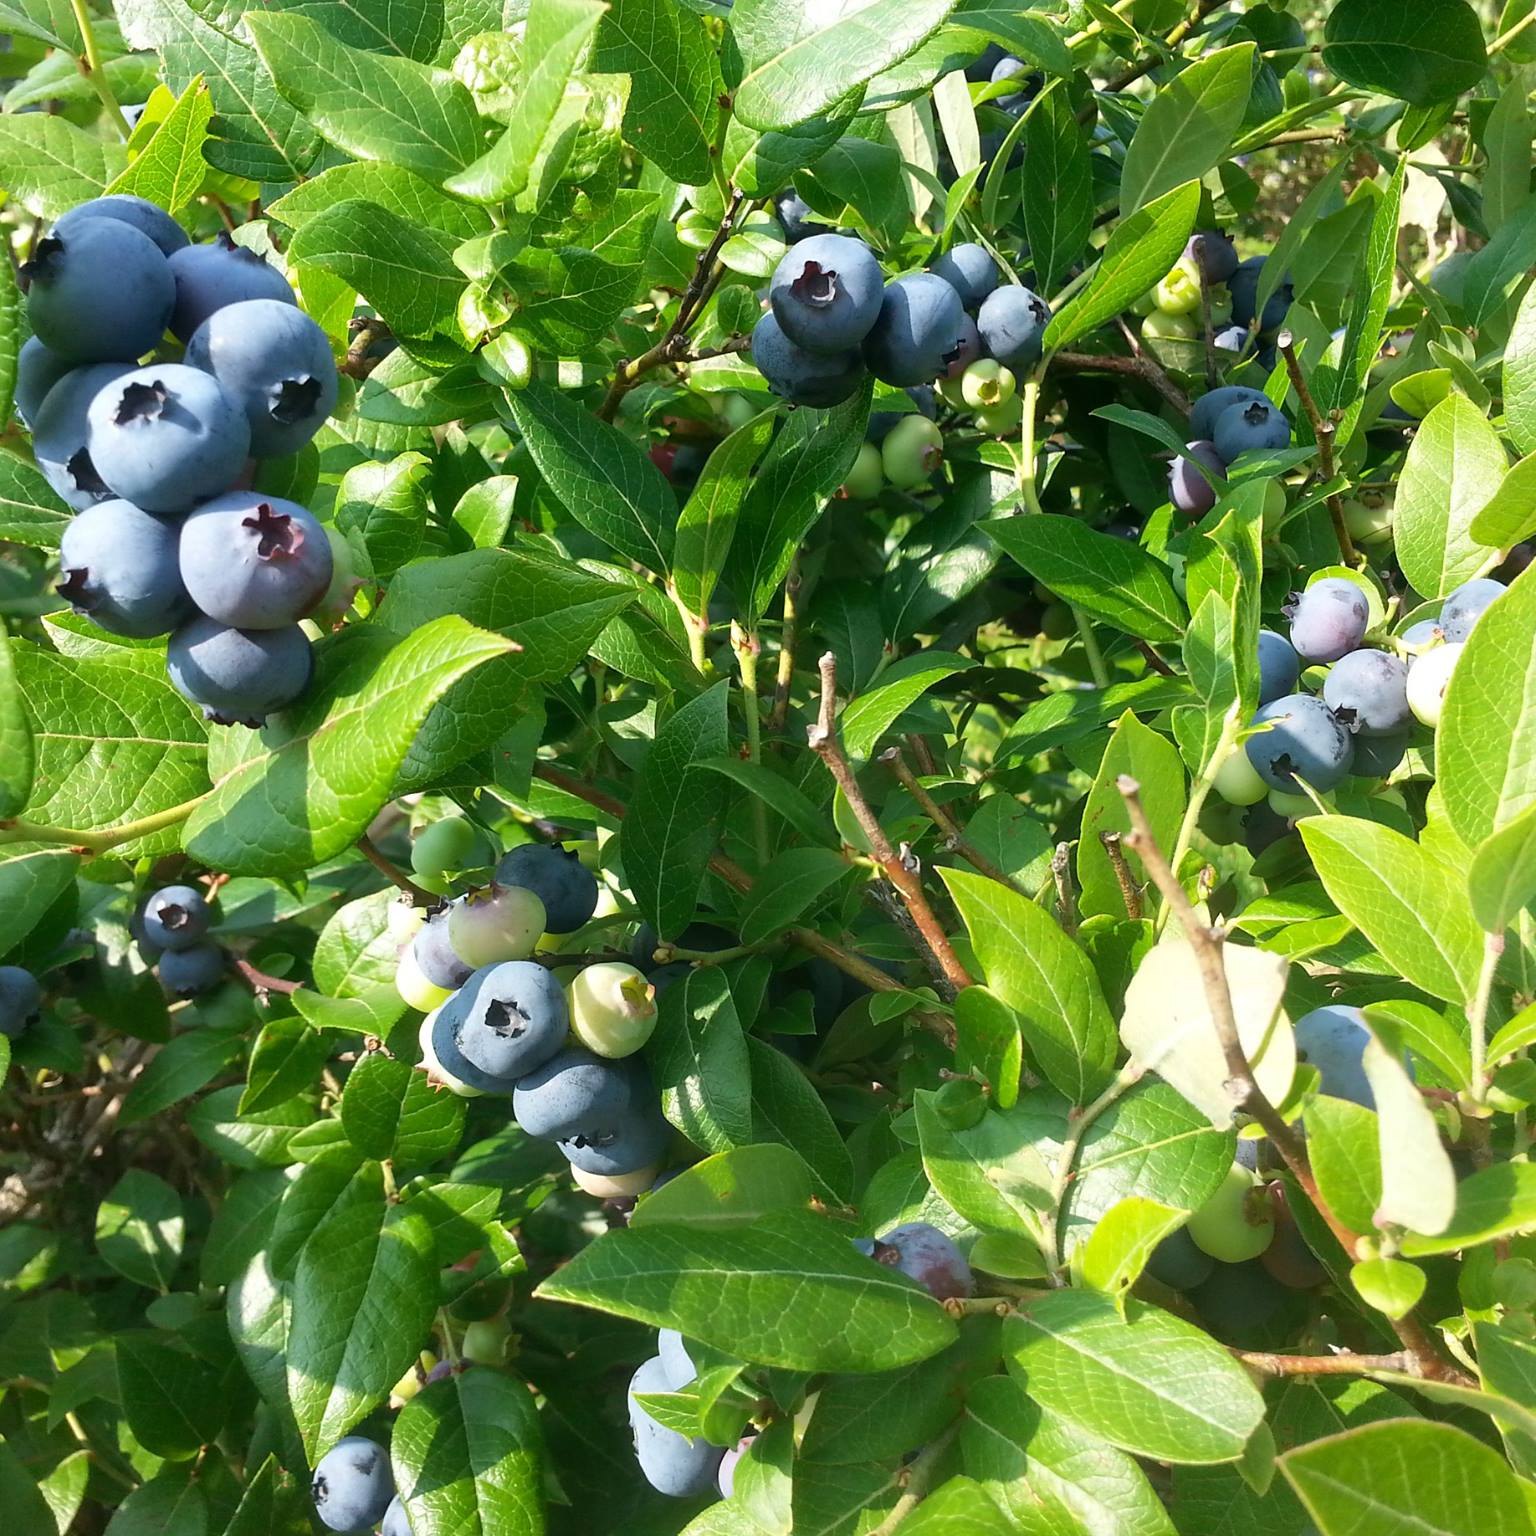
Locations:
(816, 285)
(173, 916)
(44, 263)
(278, 537)
(141, 402)
(82, 474)
(75, 589)
(506, 1020)
(1256, 413)
(294, 400)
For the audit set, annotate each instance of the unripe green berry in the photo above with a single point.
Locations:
(1237, 1222)
(617, 1186)
(495, 923)
(613, 1008)
(1237, 780)
(1368, 517)
(867, 476)
(1428, 679)
(414, 987)
(987, 384)
(1002, 420)
(485, 1342)
(1179, 292)
(912, 451)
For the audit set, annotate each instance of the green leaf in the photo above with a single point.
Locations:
(787, 1109)
(1418, 1182)
(31, 880)
(375, 106)
(788, 1291)
(361, 1307)
(601, 478)
(170, 168)
(1489, 1203)
(1389, 1285)
(1502, 879)
(1045, 978)
(991, 1173)
(1486, 774)
(1409, 905)
(48, 165)
(17, 762)
(698, 1059)
(391, 187)
(11, 337)
(174, 1402)
(735, 1188)
(988, 1040)
(1188, 127)
(320, 1193)
(296, 797)
(1373, 1479)
(1510, 514)
(255, 1140)
(1139, 253)
(958, 1508)
(356, 951)
(266, 1503)
(1519, 376)
(799, 59)
(177, 1071)
(1112, 579)
(386, 506)
(1422, 54)
(285, 1060)
(241, 1226)
(791, 884)
(1121, 1243)
(669, 831)
(140, 1229)
(468, 1457)
(1343, 1141)
(1058, 188)
(674, 83)
(779, 795)
(390, 1111)
(30, 510)
(1148, 1382)
(868, 717)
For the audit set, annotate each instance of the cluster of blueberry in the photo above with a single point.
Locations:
(354, 1489)
(832, 317)
(168, 538)
(172, 931)
(1224, 424)
(685, 1467)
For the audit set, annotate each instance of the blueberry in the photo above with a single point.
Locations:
(798, 217)
(396, 1521)
(923, 1253)
(1368, 691)
(1189, 491)
(238, 674)
(496, 923)
(38, 369)
(558, 878)
(1377, 756)
(970, 270)
(1243, 285)
(516, 1019)
(448, 1019)
(815, 379)
(1012, 322)
(1333, 1039)
(979, 70)
(576, 1088)
(1303, 741)
(118, 566)
(1279, 666)
(1010, 68)
(1237, 1223)
(613, 1008)
(210, 276)
(677, 1362)
(1428, 678)
(671, 1463)
(919, 325)
(1254, 427)
(1206, 410)
(435, 957)
(826, 293)
(21, 1001)
(1231, 338)
(1178, 1263)
(146, 217)
(176, 917)
(725, 1478)
(352, 1486)
(276, 364)
(101, 293)
(912, 452)
(254, 561)
(1329, 619)
(1213, 253)
(1466, 605)
(62, 430)
(986, 384)
(867, 477)
(618, 1147)
(167, 437)
(188, 972)
(966, 350)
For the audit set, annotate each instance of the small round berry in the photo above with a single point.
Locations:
(1279, 666)
(1304, 741)
(417, 991)
(912, 452)
(970, 270)
(254, 561)
(496, 923)
(826, 293)
(1368, 692)
(1213, 253)
(1191, 492)
(1428, 678)
(176, 917)
(1328, 619)
(1012, 321)
(557, 876)
(1237, 1222)
(1467, 604)
(615, 1186)
(191, 971)
(21, 1001)
(814, 379)
(926, 1255)
(1256, 427)
(353, 1485)
(986, 384)
(867, 477)
(613, 1008)
(1178, 293)
(1237, 781)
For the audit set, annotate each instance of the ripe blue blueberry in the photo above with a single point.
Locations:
(62, 429)
(1333, 1039)
(146, 217)
(189, 972)
(254, 561)
(1304, 741)
(1329, 619)
(1377, 756)
(1250, 428)
(815, 379)
(576, 1088)
(1279, 666)
(21, 1000)
(435, 957)
(101, 293)
(1012, 321)
(1213, 253)
(210, 276)
(516, 1020)
(826, 293)
(167, 437)
(558, 878)
(276, 364)
(1243, 285)
(1208, 408)
(238, 674)
(1191, 492)
(671, 1463)
(353, 1485)
(919, 325)
(672, 1351)
(38, 369)
(396, 1521)
(447, 1020)
(1030, 79)
(925, 1254)
(118, 566)
(1467, 604)
(798, 217)
(970, 270)
(612, 1148)
(1368, 691)
(176, 917)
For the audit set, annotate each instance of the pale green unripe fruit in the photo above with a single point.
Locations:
(451, 844)
(1368, 517)
(613, 1008)
(405, 920)
(912, 450)
(986, 384)
(1237, 1222)
(1428, 679)
(413, 1380)
(1179, 292)
(1275, 504)
(867, 475)
(1237, 781)
(1292, 807)
(1001, 419)
(435, 1070)
(496, 923)
(415, 988)
(485, 1342)
(949, 391)
(617, 1186)
(1168, 327)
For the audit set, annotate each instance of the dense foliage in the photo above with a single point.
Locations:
(766, 769)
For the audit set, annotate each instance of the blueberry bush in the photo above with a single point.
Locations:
(767, 769)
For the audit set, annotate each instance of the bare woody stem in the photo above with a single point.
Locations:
(395, 876)
(919, 1475)
(1141, 366)
(1341, 1364)
(259, 981)
(824, 743)
(1061, 873)
(1148, 62)
(1324, 431)
(1130, 892)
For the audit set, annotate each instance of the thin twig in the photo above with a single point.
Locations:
(788, 633)
(1141, 366)
(918, 1476)
(259, 982)
(824, 743)
(1155, 661)
(1066, 901)
(1324, 432)
(1130, 892)
(1149, 61)
(1344, 1363)
(419, 897)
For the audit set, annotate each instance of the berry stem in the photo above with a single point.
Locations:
(91, 844)
(1323, 431)
(395, 876)
(92, 68)
(748, 648)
